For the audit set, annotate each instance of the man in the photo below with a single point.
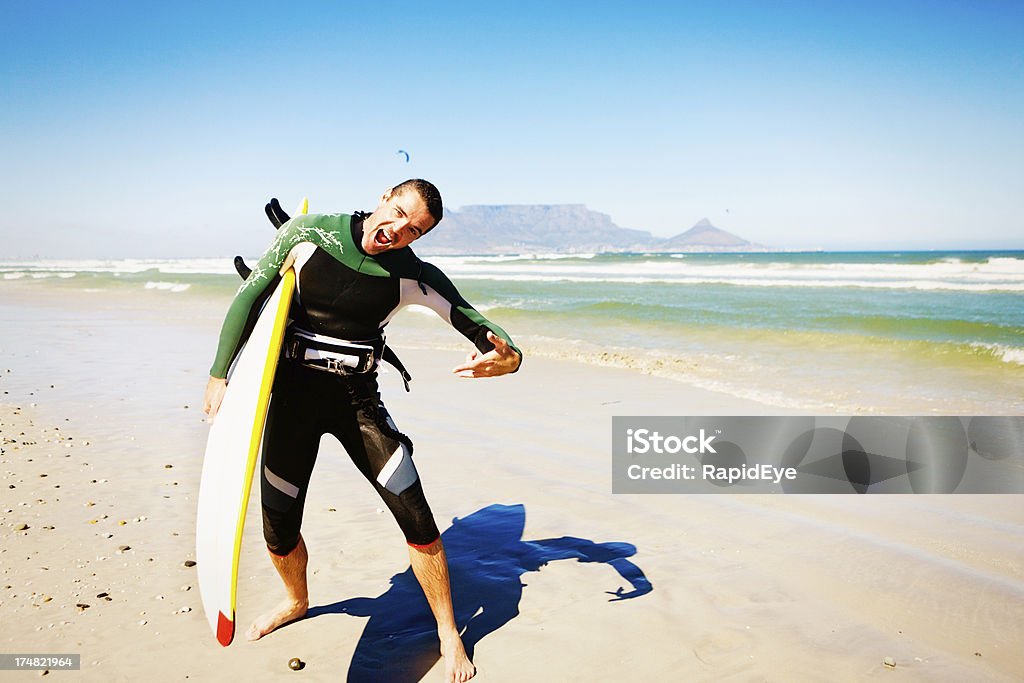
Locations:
(353, 273)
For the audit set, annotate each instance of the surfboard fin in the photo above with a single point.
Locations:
(243, 270)
(275, 213)
(278, 217)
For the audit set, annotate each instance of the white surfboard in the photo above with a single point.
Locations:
(232, 451)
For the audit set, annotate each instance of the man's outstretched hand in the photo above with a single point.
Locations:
(499, 361)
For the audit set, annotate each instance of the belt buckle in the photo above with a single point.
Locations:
(336, 366)
(367, 364)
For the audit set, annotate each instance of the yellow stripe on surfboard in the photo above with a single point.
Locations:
(287, 286)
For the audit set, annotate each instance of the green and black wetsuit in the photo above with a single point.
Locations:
(342, 293)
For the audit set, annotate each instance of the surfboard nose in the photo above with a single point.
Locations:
(225, 629)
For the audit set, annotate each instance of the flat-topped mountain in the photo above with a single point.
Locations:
(570, 228)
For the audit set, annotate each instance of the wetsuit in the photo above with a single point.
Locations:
(342, 293)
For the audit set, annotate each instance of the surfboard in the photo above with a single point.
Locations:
(232, 451)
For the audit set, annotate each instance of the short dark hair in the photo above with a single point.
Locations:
(427, 192)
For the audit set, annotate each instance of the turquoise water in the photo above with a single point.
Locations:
(908, 332)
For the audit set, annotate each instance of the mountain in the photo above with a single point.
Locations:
(565, 228)
(529, 228)
(703, 234)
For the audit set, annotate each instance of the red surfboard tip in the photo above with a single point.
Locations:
(225, 629)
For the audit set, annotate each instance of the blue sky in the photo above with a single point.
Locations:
(161, 130)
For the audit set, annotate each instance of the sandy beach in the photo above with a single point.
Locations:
(556, 577)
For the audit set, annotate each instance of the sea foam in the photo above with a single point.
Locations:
(168, 286)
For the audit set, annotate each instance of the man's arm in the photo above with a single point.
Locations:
(245, 307)
(501, 360)
(278, 217)
(496, 354)
(251, 293)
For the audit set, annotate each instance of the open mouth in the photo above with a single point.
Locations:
(381, 239)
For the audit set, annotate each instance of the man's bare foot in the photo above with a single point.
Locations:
(457, 667)
(287, 611)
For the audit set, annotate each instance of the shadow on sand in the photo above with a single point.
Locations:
(486, 558)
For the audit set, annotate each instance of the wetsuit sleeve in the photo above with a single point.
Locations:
(254, 290)
(445, 300)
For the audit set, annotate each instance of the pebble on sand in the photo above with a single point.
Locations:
(889, 662)
(190, 563)
(296, 664)
(21, 527)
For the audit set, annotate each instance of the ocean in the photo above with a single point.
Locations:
(907, 333)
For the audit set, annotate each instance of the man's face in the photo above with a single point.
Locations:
(398, 221)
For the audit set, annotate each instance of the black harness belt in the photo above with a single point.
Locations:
(341, 356)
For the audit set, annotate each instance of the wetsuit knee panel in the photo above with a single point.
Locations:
(413, 515)
(281, 530)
